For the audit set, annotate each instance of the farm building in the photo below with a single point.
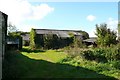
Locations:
(62, 35)
(14, 42)
(26, 39)
(90, 41)
(59, 33)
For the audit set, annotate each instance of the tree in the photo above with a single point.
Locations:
(14, 35)
(11, 28)
(105, 36)
(13, 31)
(32, 39)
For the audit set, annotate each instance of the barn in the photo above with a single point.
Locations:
(63, 35)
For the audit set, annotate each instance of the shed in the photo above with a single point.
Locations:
(90, 41)
(14, 43)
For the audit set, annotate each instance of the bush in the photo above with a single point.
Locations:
(106, 54)
(103, 54)
(115, 64)
(78, 43)
(113, 53)
(94, 55)
(72, 52)
(50, 41)
(99, 54)
(88, 55)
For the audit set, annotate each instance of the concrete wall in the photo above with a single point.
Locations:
(3, 33)
(0, 45)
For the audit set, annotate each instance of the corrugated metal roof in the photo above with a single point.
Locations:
(63, 34)
(59, 33)
(38, 31)
(90, 40)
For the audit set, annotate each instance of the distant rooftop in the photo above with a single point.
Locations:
(59, 33)
(91, 39)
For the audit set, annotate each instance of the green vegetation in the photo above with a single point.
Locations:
(15, 36)
(105, 36)
(55, 64)
(48, 55)
(77, 42)
(32, 39)
(71, 60)
(108, 69)
(50, 41)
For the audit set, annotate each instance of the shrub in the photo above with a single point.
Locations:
(78, 43)
(113, 53)
(96, 55)
(32, 39)
(105, 54)
(72, 52)
(99, 54)
(115, 64)
(50, 41)
(88, 55)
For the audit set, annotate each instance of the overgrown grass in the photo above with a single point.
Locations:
(54, 64)
(104, 60)
(107, 69)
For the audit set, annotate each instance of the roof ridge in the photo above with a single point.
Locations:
(56, 30)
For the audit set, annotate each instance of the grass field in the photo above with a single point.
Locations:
(48, 55)
(47, 64)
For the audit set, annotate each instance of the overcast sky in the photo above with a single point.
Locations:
(27, 14)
